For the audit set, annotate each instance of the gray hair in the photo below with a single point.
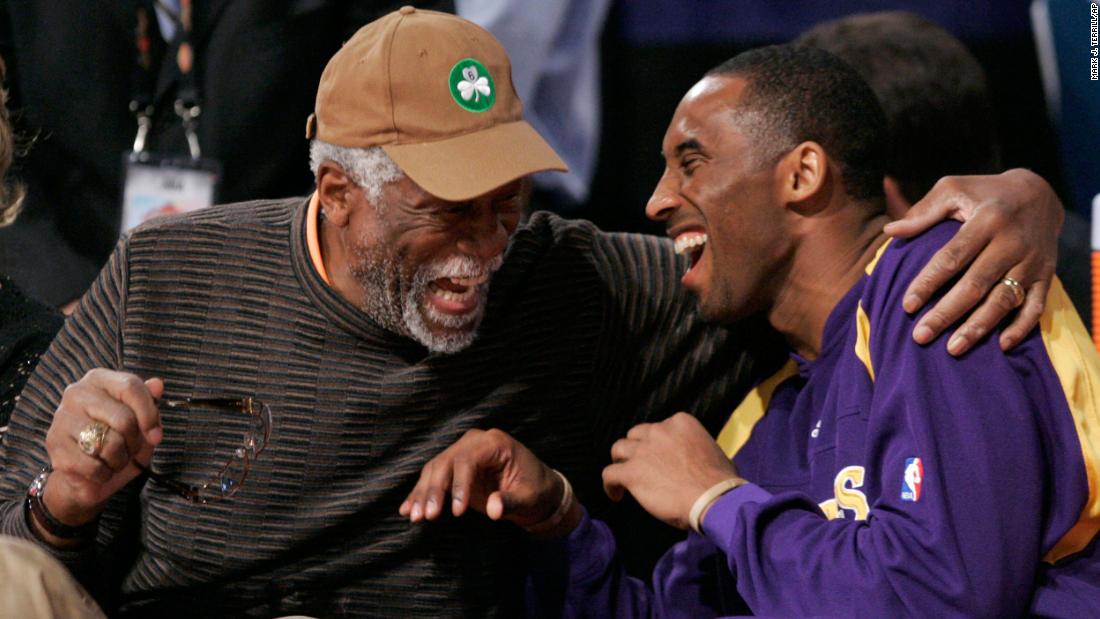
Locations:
(370, 168)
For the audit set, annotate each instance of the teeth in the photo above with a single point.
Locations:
(688, 241)
(454, 296)
(469, 281)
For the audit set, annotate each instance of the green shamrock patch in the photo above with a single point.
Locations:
(471, 85)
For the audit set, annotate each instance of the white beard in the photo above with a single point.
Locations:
(400, 306)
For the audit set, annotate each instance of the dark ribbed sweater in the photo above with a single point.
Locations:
(585, 334)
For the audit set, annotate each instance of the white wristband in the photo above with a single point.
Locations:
(710, 496)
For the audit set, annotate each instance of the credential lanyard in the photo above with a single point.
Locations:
(188, 100)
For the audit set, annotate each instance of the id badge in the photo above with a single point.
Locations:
(156, 186)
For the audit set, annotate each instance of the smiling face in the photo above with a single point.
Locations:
(424, 264)
(717, 200)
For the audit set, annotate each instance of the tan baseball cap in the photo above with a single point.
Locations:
(435, 92)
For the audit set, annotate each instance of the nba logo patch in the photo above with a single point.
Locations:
(911, 480)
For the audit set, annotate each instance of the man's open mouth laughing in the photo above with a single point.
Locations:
(692, 243)
(456, 295)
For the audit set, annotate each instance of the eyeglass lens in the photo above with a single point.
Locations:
(232, 475)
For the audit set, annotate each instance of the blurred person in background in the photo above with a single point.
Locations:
(26, 326)
(555, 50)
(940, 118)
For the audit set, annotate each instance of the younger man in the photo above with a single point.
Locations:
(889, 478)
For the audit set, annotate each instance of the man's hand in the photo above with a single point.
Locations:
(491, 472)
(1012, 221)
(80, 484)
(666, 466)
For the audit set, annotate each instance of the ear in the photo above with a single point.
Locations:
(802, 174)
(897, 205)
(334, 190)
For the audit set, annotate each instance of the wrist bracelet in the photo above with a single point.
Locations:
(559, 514)
(710, 496)
(36, 509)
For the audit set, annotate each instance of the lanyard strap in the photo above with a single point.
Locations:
(188, 100)
(141, 104)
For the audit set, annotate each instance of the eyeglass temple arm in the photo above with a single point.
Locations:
(188, 492)
(245, 404)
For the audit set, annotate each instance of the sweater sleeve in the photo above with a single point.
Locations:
(583, 576)
(954, 454)
(91, 338)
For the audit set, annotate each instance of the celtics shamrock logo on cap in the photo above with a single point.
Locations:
(471, 85)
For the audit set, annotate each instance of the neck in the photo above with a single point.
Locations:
(335, 256)
(835, 247)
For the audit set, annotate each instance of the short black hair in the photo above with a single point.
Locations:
(931, 88)
(805, 94)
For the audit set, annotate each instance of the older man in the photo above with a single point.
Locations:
(263, 382)
(891, 479)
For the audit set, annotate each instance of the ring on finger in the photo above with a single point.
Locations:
(91, 438)
(1016, 288)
